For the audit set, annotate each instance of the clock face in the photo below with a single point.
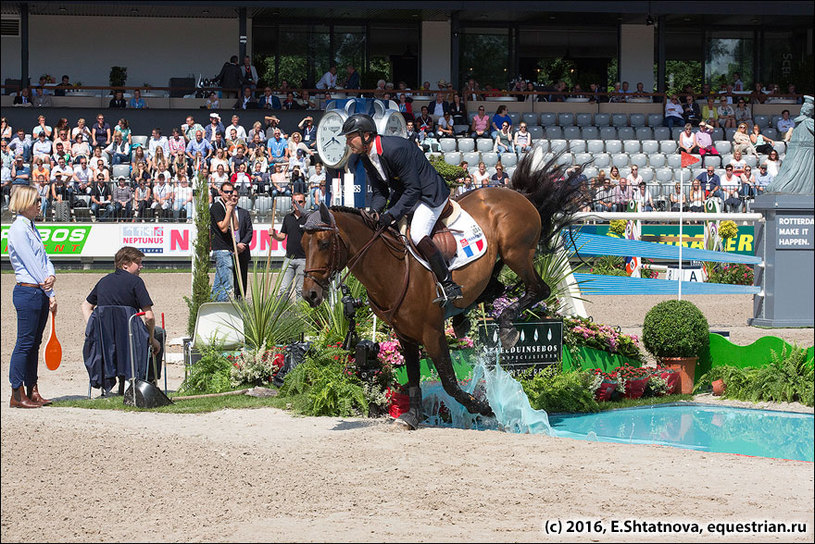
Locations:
(330, 145)
(394, 124)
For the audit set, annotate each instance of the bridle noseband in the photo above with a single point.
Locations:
(338, 256)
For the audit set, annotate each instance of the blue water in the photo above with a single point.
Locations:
(761, 433)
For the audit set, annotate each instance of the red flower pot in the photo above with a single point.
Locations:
(671, 379)
(718, 388)
(634, 388)
(400, 403)
(605, 390)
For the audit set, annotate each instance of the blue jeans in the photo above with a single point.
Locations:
(31, 304)
(672, 121)
(222, 285)
(119, 158)
(105, 215)
(285, 192)
(293, 272)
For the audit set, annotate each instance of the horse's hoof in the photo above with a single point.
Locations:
(407, 421)
(509, 337)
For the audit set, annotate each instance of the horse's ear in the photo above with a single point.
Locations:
(325, 215)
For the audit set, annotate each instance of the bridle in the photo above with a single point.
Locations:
(338, 257)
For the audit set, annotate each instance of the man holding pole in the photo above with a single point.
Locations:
(295, 264)
(231, 228)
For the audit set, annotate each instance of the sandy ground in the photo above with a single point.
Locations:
(264, 475)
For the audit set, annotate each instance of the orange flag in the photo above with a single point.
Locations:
(688, 159)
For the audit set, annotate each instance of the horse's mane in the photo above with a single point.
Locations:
(347, 209)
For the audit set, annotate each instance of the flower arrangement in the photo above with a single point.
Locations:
(390, 354)
(255, 367)
(580, 331)
(48, 78)
(454, 342)
(617, 227)
(734, 274)
(728, 229)
(505, 301)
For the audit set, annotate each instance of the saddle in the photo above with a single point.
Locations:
(440, 234)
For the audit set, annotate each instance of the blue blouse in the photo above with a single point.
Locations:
(27, 253)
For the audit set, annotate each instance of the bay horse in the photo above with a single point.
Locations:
(516, 220)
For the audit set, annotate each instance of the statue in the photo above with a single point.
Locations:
(796, 175)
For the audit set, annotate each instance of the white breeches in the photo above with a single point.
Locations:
(423, 220)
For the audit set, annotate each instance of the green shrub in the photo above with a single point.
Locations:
(553, 391)
(449, 172)
(617, 226)
(210, 374)
(675, 328)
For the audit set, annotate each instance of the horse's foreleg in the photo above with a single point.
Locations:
(414, 416)
(535, 290)
(438, 351)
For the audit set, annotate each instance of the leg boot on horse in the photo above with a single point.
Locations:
(450, 290)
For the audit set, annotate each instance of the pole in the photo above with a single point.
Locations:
(235, 248)
(266, 276)
(681, 240)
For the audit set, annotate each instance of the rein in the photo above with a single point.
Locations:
(335, 260)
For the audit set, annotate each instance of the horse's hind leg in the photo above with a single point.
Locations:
(493, 290)
(414, 416)
(436, 346)
(520, 260)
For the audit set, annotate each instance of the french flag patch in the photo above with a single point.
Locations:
(465, 246)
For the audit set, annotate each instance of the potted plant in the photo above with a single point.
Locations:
(603, 385)
(118, 76)
(676, 333)
(635, 380)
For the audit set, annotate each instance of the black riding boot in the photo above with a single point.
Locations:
(451, 290)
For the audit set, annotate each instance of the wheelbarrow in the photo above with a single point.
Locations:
(141, 393)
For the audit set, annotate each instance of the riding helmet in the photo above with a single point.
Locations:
(359, 122)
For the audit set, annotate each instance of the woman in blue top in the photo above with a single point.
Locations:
(501, 116)
(33, 297)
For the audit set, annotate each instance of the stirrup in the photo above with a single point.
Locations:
(444, 296)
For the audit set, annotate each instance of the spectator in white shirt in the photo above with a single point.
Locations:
(785, 123)
(157, 140)
(634, 178)
(643, 197)
(673, 113)
(329, 79)
(236, 125)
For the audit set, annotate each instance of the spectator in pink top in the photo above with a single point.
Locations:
(481, 124)
(704, 140)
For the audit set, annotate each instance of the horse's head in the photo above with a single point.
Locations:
(324, 254)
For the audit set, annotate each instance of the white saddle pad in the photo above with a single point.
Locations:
(470, 240)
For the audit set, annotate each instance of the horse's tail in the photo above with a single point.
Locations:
(556, 190)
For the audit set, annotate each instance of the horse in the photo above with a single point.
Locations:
(517, 220)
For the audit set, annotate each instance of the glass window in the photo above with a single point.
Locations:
(485, 56)
(349, 44)
(727, 53)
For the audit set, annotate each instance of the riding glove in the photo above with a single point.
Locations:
(385, 220)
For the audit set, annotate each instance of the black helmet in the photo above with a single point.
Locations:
(359, 122)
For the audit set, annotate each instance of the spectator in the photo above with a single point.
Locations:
(256, 130)
(522, 140)
(726, 92)
(710, 113)
(241, 181)
(158, 141)
(352, 81)
(710, 181)
(640, 92)
(215, 127)
(80, 148)
(757, 96)
(249, 74)
(198, 145)
(405, 106)
(471, 90)
(314, 182)
(124, 287)
(63, 86)
(704, 140)
(503, 140)
(634, 178)
(162, 197)
(738, 84)
(622, 195)
(690, 110)
(63, 169)
(219, 159)
(118, 101)
(424, 125)
(298, 180)
(21, 145)
(763, 178)
(179, 165)
(604, 197)
(785, 124)
(246, 101)
(20, 173)
(177, 144)
(616, 95)
(44, 191)
(235, 124)
(33, 298)
(42, 127)
(258, 157)
(5, 129)
(481, 178)
(122, 199)
(280, 182)
(697, 196)
(410, 132)
(23, 98)
(762, 143)
(481, 124)
(101, 199)
(438, 107)
(42, 147)
(687, 140)
(81, 128)
(229, 78)
(501, 116)
(137, 102)
(189, 128)
(458, 110)
(614, 176)
(741, 141)
(59, 194)
(726, 113)
(260, 179)
(329, 79)
(748, 184)
(41, 99)
(673, 113)
(143, 198)
(379, 90)
(269, 101)
(296, 144)
(213, 102)
(295, 263)
(271, 123)
(444, 126)
(122, 127)
(642, 196)
(182, 199)
(499, 178)
(743, 113)
(773, 163)
(306, 125)
(81, 182)
(118, 150)
(731, 184)
(278, 147)
(61, 151)
(738, 163)
(100, 132)
(678, 197)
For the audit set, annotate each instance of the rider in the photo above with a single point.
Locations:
(396, 167)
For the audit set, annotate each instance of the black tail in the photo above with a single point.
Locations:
(557, 191)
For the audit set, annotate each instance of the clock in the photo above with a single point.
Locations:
(392, 123)
(330, 145)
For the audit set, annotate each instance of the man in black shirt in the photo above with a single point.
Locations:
(101, 199)
(227, 217)
(124, 287)
(295, 263)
